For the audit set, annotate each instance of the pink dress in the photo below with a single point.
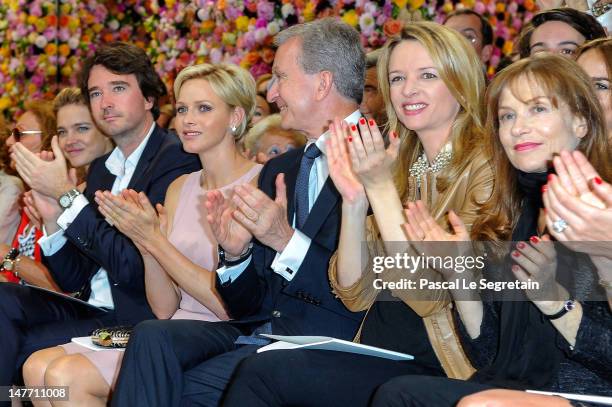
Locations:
(192, 236)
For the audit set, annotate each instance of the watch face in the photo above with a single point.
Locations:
(64, 201)
(7, 264)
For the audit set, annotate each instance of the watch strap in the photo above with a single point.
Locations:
(567, 307)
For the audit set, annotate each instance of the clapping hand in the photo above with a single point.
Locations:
(229, 233)
(339, 164)
(132, 213)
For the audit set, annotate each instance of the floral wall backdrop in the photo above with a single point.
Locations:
(42, 42)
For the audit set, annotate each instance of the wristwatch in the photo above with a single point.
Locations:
(66, 199)
(224, 262)
(567, 307)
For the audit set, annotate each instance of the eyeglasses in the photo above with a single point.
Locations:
(17, 134)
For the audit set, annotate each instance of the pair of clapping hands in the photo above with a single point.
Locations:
(48, 176)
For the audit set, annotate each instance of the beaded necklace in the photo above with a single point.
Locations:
(422, 166)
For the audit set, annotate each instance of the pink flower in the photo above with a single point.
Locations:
(215, 55)
(265, 10)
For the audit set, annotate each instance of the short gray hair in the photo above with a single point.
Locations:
(330, 45)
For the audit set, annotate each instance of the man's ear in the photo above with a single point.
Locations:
(580, 126)
(485, 54)
(325, 83)
(149, 102)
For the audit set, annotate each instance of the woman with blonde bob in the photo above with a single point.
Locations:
(432, 84)
(556, 337)
(214, 103)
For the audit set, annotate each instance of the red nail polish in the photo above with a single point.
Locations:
(362, 121)
(534, 239)
(516, 254)
(350, 139)
(353, 127)
(393, 134)
(598, 180)
(515, 268)
(521, 245)
(550, 177)
(544, 188)
(371, 122)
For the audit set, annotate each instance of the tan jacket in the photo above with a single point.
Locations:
(473, 187)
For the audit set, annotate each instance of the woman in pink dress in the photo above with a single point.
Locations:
(214, 104)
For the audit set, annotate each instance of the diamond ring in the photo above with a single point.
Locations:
(559, 225)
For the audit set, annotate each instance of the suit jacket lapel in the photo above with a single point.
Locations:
(325, 203)
(148, 154)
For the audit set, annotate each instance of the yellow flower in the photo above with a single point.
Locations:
(9, 85)
(170, 3)
(507, 48)
(309, 11)
(400, 3)
(33, 88)
(416, 4)
(66, 71)
(5, 103)
(242, 23)
(74, 23)
(98, 27)
(32, 19)
(500, 7)
(207, 26)
(351, 18)
(468, 3)
(447, 8)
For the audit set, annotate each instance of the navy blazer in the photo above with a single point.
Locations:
(305, 305)
(93, 243)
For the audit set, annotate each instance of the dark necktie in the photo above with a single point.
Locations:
(301, 185)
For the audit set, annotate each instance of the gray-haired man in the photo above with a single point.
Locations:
(279, 284)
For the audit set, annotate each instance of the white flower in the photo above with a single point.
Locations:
(73, 42)
(113, 25)
(287, 9)
(40, 41)
(273, 28)
(203, 14)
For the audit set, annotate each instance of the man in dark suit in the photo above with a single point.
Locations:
(84, 252)
(279, 283)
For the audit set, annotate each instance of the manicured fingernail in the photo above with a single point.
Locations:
(371, 122)
(516, 254)
(353, 127)
(515, 268)
(598, 180)
(393, 134)
(550, 177)
(362, 121)
(544, 188)
(521, 245)
(534, 239)
(350, 139)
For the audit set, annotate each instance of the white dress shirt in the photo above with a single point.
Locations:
(123, 169)
(292, 257)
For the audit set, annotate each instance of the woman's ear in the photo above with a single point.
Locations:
(580, 126)
(238, 115)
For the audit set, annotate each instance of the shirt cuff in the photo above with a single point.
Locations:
(290, 260)
(51, 244)
(229, 274)
(70, 214)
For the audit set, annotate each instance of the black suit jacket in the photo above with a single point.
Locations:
(93, 243)
(305, 305)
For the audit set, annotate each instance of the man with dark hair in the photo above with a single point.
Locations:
(475, 28)
(279, 284)
(84, 252)
(560, 30)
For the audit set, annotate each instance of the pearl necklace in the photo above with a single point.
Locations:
(422, 166)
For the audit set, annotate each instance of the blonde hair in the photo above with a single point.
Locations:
(269, 124)
(461, 70)
(564, 82)
(233, 84)
(68, 96)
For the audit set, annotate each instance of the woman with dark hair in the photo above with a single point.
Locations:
(11, 188)
(533, 340)
(560, 30)
(595, 57)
